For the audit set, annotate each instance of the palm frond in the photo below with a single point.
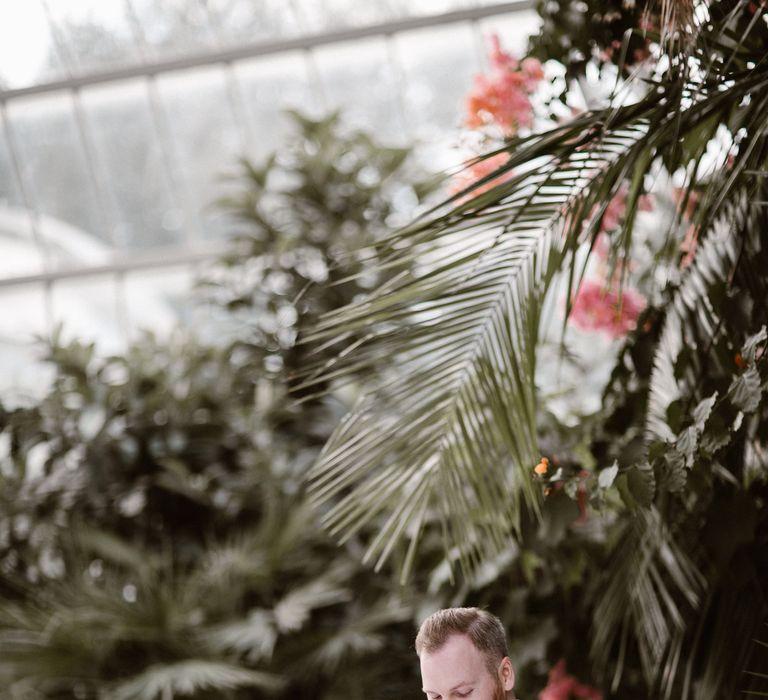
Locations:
(452, 426)
(462, 336)
(190, 676)
(650, 588)
(360, 634)
(735, 620)
(294, 608)
(694, 359)
(690, 313)
(254, 636)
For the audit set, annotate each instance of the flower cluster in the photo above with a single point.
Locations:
(599, 304)
(503, 98)
(609, 310)
(613, 216)
(542, 467)
(500, 100)
(690, 242)
(500, 105)
(562, 686)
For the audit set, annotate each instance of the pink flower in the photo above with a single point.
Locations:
(477, 171)
(598, 309)
(689, 245)
(691, 239)
(561, 686)
(503, 98)
(501, 101)
(500, 59)
(533, 72)
(614, 212)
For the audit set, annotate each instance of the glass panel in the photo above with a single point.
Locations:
(438, 7)
(53, 163)
(513, 29)
(10, 193)
(87, 309)
(51, 245)
(24, 316)
(172, 28)
(129, 148)
(157, 300)
(96, 34)
(270, 86)
(245, 21)
(207, 139)
(26, 53)
(22, 325)
(21, 255)
(67, 246)
(358, 77)
(438, 65)
(329, 15)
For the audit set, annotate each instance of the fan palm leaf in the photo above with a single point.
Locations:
(185, 678)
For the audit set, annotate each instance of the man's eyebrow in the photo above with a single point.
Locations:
(455, 687)
(459, 685)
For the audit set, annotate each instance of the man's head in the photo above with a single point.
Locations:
(463, 654)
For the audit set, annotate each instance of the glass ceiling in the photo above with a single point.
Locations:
(120, 119)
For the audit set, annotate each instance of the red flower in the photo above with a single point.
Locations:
(582, 499)
(598, 309)
(500, 59)
(691, 240)
(613, 216)
(561, 686)
(503, 97)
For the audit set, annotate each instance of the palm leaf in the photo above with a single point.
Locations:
(363, 632)
(649, 591)
(691, 318)
(187, 677)
(452, 425)
(731, 223)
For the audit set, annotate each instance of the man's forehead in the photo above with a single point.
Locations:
(453, 660)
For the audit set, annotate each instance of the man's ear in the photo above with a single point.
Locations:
(507, 673)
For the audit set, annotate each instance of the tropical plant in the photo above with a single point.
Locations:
(155, 541)
(447, 437)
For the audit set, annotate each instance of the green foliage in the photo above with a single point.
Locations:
(448, 438)
(703, 425)
(155, 539)
(574, 32)
(312, 237)
(157, 536)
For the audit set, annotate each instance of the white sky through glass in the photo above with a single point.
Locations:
(25, 37)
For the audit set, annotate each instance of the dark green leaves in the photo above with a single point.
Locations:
(638, 485)
(745, 391)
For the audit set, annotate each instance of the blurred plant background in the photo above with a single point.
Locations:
(545, 397)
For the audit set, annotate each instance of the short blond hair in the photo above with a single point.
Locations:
(484, 629)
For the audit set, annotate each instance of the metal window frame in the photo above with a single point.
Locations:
(268, 48)
(197, 252)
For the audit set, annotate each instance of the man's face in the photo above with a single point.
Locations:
(458, 670)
